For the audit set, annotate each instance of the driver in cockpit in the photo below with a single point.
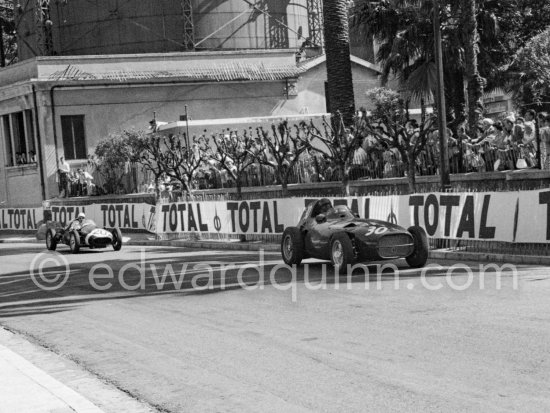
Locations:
(77, 223)
(323, 207)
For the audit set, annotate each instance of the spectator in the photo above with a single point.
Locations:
(529, 150)
(529, 134)
(509, 125)
(518, 131)
(432, 154)
(73, 183)
(90, 186)
(530, 115)
(482, 143)
(454, 154)
(64, 171)
(501, 148)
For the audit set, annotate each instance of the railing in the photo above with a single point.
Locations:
(374, 164)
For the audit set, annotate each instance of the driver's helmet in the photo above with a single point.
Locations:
(323, 206)
(81, 217)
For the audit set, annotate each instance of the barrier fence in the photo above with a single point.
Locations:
(509, 219)
(371, 164)
(512, 222)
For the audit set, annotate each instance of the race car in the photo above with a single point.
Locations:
(339, 235)
(84, 234)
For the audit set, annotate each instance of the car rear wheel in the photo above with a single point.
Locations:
(51, 241)
(117, 239)
(341, 253)
(292, 246)
(421, 250)
(74, 242)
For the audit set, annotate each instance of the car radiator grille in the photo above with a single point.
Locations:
(395, 245)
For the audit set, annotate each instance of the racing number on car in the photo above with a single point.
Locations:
(376, 230)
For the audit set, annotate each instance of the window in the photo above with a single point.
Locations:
(10, 159)
(74, 140)
(20, 144)
(18, 130)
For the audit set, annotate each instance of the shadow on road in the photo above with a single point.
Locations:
(167, 271)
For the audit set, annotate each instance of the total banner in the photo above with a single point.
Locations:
(124, 216)
(533, 216)
(522, 216)
(478, 216)
(20, 219)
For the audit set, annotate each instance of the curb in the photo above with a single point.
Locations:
(490, 257)
(233, 246)
(20, 241)
(257, 246)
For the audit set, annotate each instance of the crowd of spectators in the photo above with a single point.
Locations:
(78, 182)
(22, 158)
(505, 144)
(498, 145)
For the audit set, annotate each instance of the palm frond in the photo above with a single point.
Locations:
(422, 81)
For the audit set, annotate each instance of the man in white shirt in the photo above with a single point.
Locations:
(64, 166)
(64, 170)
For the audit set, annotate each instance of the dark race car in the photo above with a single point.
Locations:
(339, 235)
(86, 234)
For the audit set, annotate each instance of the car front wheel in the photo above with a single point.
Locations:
(292, 246)
(51, 240)
(421, 250)
(74, 242)
(117, 239)
(341, 253)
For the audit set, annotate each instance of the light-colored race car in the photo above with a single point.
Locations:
(86, 234)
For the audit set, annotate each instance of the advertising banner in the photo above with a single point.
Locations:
(522, 216)
(533, 216)
(20, 219)
(124, 216)
(477, 216)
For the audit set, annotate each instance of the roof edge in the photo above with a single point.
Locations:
(316, 61)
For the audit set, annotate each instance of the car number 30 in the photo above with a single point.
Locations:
(376, 230)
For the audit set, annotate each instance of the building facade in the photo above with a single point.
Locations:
(61, 106)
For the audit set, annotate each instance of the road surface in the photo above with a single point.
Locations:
(284, 342)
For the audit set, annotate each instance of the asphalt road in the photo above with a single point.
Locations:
(284, 342)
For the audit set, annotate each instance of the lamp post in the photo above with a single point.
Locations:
(440, 100)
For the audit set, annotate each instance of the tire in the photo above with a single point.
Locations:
(421, 247)
(51, 241)
(292, 246)
(74, 242)
(341, 253)
(117, 239)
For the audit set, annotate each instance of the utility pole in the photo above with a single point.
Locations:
(2, 52)
(440, 99)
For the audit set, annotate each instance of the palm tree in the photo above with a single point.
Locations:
(404, 32)
(340, 83)
(470, 40)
